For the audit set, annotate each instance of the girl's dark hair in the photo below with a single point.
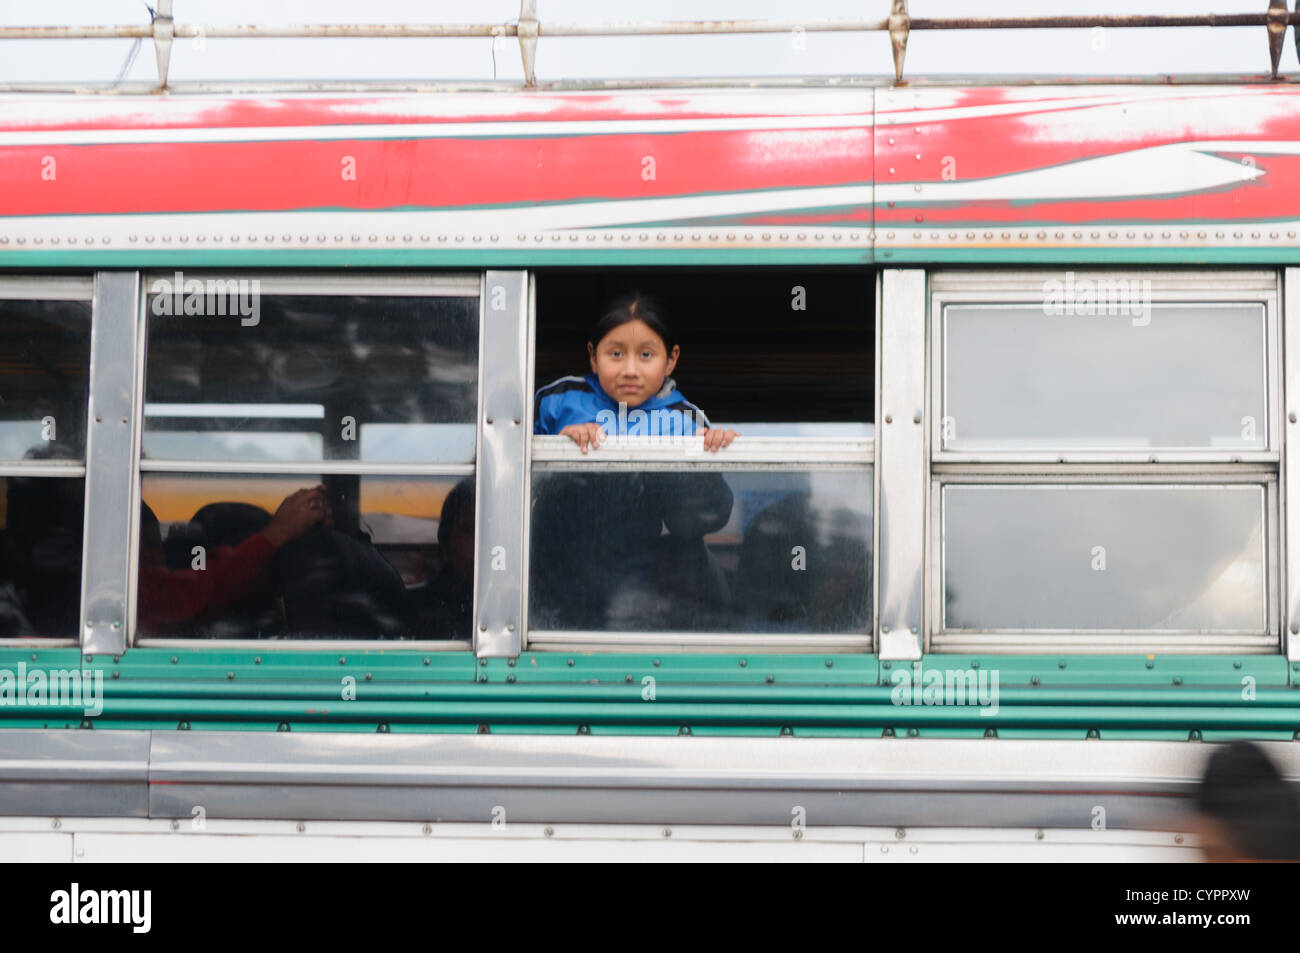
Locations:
(634, 306)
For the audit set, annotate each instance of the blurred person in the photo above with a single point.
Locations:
(1246, 811)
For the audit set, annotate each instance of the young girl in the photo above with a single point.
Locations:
(632, 352)
(625, 551)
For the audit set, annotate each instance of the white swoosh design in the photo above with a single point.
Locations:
(1179, 168)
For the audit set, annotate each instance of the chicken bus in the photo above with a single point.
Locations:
(289, 565)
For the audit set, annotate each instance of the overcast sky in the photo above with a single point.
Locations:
(1185, 51)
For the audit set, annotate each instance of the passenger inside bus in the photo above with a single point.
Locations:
(40, 552)
(625, 550)
(221, 577)
(781, 352)
(214, 576)
(449, 595)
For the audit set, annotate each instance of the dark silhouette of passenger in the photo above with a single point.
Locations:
(336, 585)
(450, 593)
(1246, 811)
(170, 597)
(626, 551)
(40, 552)
(802, 570)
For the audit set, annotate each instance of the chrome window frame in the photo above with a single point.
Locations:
(59, 288)
(1161, 467)
(1290, 524)
(379, 284)
(549, 453)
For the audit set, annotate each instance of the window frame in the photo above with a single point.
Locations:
(550, 453)
(1095, 467)
(58, 288)
(467, 284)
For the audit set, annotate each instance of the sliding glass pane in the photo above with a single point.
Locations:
(1155, 558)
(44, 380)
(379, 557)
(241, 375)
(1078, 375)
(761, 551)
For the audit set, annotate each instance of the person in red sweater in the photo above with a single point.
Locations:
(172, 596)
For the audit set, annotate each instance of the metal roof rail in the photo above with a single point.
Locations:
(528, 29)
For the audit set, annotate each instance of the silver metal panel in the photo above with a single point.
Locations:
(688, 452)
(117, 840)
(43, 470)
(47, 287)
(87, 773)
(750, 642)
(1290, 523)
(346, 283)
(307, 467)
(501, 497)
(318, 645)
(110, 463)
(599, 780)
(902, 464)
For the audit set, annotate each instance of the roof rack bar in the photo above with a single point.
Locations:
(529, 28)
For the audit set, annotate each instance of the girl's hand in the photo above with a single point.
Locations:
(584, 434)
(715, 440)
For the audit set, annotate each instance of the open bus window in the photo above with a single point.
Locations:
(701, 551)
(44, 389)
(712, 544)
(394, 560)
(260, 374)
(778, 352)
(1151, 376)
(1063, 558)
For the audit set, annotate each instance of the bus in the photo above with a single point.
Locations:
(1002, 551)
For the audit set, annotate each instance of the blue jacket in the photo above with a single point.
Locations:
(581, 400)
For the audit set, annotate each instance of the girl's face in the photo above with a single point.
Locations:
(631, 362)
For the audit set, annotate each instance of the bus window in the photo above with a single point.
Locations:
(1151, 376)
(1068, 557)
(650, 534)
(406, 574)
(308, 458)
(783, 351)
(1105, 461)
(379, 379)
(44, 389)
